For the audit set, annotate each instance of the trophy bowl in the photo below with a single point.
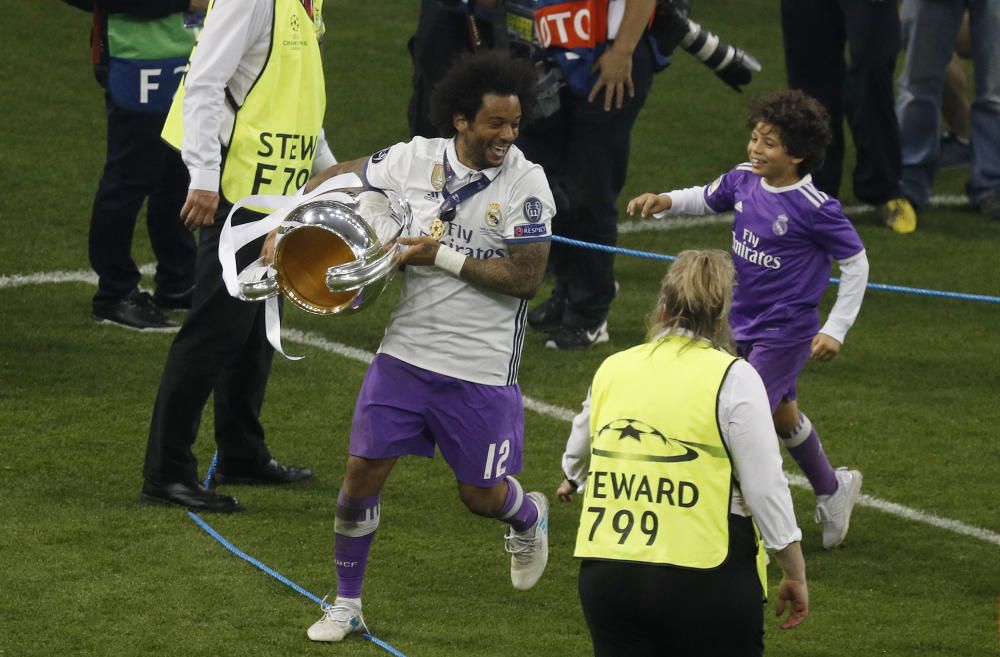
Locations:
(335, 252)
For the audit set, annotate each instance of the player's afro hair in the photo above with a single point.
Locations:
(802, 122)
(473, 76)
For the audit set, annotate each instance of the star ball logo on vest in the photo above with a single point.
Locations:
(746, 248)
(295, 26)
(639, 431)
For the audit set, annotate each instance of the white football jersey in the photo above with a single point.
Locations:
(441, 322)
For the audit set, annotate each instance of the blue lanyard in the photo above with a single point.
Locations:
(452, 199)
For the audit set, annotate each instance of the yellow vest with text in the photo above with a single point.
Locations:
(276, 129)
(660, 477)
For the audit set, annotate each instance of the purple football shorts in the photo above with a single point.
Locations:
(405, 410)
(778, 364)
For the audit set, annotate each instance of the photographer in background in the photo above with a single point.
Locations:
(584, 146)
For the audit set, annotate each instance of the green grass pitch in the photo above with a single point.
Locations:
(911, 401)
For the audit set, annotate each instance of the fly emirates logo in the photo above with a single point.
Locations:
(746, 247)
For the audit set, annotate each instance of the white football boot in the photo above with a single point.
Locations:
(529, 550)
(338, 621)
(834, 510)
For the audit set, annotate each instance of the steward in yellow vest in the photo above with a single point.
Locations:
(660, 475)
(277, 127)
(677, 447)
(262, 58)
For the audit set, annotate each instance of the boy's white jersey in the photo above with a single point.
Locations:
(441, 322)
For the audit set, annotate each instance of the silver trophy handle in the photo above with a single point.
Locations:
(358, 273)
(354, 275)
(262, 289)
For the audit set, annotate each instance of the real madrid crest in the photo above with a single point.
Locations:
(437, 177)
(493, 215)
(780, 225)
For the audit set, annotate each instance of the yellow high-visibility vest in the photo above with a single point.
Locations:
(276, 129)
(660, 477)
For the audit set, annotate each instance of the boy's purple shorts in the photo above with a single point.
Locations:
(404, 410)
(778, 364)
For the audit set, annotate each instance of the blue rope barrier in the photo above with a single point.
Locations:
(835, 281)
(270, 571)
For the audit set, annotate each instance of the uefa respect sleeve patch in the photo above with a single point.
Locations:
(531, 230)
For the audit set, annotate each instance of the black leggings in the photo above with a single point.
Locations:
(644, 610)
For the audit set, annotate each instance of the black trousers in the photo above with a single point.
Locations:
(644, 610)
(221, 348)
(860, 89)
(140, 166)
(584, 151)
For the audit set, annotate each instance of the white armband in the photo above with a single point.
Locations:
(449, 260)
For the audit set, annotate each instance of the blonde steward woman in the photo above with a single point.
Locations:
(677, 459)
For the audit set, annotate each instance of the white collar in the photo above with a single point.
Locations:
(806, 179)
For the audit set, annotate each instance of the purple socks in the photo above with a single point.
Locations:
(518, 510)
(354, 530)
(805, 447)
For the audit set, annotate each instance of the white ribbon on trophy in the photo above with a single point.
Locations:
(259, 278)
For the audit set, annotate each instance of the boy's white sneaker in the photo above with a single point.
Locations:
(529, 550)
(338, 621)
(834, 510)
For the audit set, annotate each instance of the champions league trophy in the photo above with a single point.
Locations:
(334, 252)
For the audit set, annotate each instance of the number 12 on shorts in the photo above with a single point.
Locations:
(500, 455)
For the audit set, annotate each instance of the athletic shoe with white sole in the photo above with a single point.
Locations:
(568, 338)
(834, 510)
(529, 550)
(338, 621)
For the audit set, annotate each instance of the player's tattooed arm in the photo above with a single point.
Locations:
(518, 275)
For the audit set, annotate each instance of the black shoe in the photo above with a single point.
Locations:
(990, 206)
(954, 153)
(194, 497)
(570, 338)
(271, 472)
(178, 301)
(547, 317)
(136, 311)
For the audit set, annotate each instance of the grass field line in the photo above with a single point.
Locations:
(534, 405)
(694, 221)
(565, 414)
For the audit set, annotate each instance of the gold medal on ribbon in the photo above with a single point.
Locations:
(437, 229)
